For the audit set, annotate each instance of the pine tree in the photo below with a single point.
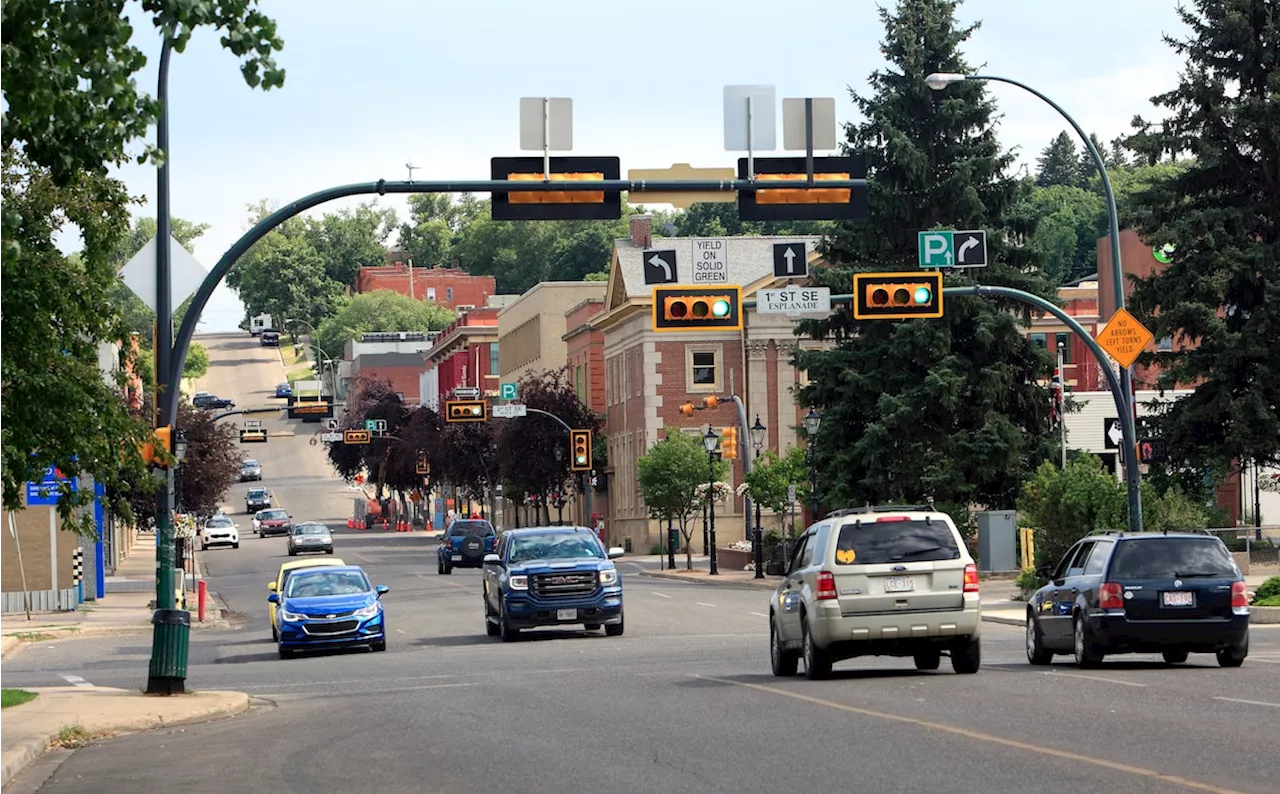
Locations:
(1220, 297)
(1086, 166)
(1059, 163)
(1118, 155)
(944, 408)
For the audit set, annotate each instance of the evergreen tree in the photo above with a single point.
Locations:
(1086, 167)
(1059, 164)
(944, 408)
(1117, 155)
(1220, 297)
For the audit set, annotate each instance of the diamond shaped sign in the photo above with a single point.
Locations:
(186, 274)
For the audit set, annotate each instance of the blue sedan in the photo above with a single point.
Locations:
(284, 390)
(330, 608)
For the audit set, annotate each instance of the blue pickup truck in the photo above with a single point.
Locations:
(551, 576)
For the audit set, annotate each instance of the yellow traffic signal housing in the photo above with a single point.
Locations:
(729, 443)
(556, 205)
(253, 436)
(710, 401)
(466, 411)
(682, 308)
(156, 451)
(580, 446)
(816, 203)
(687, 409)
(423, 467)
(897, 296)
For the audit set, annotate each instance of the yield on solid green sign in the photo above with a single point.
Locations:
(508, 391)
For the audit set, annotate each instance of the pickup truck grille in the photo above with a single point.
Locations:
(563, 585)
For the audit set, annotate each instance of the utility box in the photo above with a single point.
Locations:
(997, 541)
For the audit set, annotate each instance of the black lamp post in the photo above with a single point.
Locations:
(812, 423)
(559, 496)
(757, 432)
(711, 441)
(179, 452)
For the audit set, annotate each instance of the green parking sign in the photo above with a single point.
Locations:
(509, 391)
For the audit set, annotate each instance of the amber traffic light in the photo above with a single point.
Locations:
(817, 203)
(580, 446)
(466, 411)
(556, 205)
(897, 296)
(155, 452)
(681, 308)
(729, 443)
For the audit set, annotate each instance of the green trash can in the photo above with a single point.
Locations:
(169, 648)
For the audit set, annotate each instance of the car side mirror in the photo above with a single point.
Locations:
(1044, 572)
(271, 586)
(774, 568)
(492, 559)
(274, 598)
(381, 590)
(616, 551)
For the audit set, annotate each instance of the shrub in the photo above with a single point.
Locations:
(1268, 589)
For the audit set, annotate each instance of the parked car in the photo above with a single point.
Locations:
(1170, 593)
(257, 499)
(206, 400)
(269, 339)
(250, 470)
(310, 536)
(284, 390)
(329, 607)
(551, 576)
(277, 585)
(464, 545)
(876, 581)
(219, 530)
(275, 522)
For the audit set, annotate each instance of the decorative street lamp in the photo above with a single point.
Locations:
(559, 496)
(813, 423)
(757, 432)
(180, 453)
(711, 441)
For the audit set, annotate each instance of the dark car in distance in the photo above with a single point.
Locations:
(206, 401)
(269, 339)
(284, 390)
(256, 499)
(464, 545)
(310, 536)
(1173, 593)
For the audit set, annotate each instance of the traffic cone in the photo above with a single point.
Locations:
(351, 523)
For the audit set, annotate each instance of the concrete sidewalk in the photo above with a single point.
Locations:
(70, 716)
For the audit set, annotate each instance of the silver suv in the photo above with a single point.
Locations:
(876, 581)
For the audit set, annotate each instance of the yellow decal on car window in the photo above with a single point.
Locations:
(846, 556)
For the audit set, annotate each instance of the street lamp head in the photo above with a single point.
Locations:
(757, 434)
(812, 422)
(559, 453)
(940, 80)
(180, 446)
(710, 440)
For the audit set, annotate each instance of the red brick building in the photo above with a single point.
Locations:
(586, 353)
(447, 286)
(465, 354)
(1081, 371)
(378, 356)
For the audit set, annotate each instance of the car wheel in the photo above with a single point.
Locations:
(509, 633)
(1086, 650)
(1037, 654)
(1175, 657)
(285, 653)
(1233, 657)
(204, 547)
(490, 627)
(614, 629)
(328, 551)
(966, 656)
(292, 553)
(439, 567)
(927, 660)
(817, 661)
(448, 568)
(783, 662)
(235, 545)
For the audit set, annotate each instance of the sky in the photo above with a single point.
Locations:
(377, 84)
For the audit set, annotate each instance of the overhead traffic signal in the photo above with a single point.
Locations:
(466, 411)
(817, 203)
(681, 308)
(729, 443)
(253, 435)
(556, 205)
(580, 444)
(897, 296)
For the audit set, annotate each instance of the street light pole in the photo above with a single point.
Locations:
(1128, 419)
(813, 423)
(709, 441)
(758, 432)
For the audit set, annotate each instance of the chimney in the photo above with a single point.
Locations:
(642, 230)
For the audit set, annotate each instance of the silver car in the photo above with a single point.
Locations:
(310, 536)
(876, 581)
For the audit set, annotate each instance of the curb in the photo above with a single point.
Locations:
(28, 750)
(1004, 621)
(675, 577)
(1264, 616)
(8, 645)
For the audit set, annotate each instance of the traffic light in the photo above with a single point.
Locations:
(729, 443)
(466, 411)
(806, 204)
(155, 452)
(556, 205)
(710, 401)
(423, 467)
(681, 308)
(580, 442)
(897, 296)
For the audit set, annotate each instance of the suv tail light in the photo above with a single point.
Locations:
(826, 585)
(1239, 598)
(971, 578)
(1109, 596)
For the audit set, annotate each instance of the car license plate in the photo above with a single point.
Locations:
(1179, 599)
(457, 558)
(899, 584)
(566, 614)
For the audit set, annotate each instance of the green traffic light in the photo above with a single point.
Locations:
(923, 295)
(720, 308)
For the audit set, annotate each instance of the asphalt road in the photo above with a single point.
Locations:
(683, 702)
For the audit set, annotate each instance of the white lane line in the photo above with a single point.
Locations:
(399, 631)
(661, 595)
(346, 681)
(1098, 678)
(701, 604)
(75, 680)
(1250, 702)
(1265, 661)
(758, 614)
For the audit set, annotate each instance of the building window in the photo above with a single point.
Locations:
(1039, 339)
(431, 293)
(702, 368)
(577, 383)
(1065, 341)
(1166, 344)
(493, 358)
(448, 293)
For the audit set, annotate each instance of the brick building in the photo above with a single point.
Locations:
(392, 355)
(584, 351)
(648, 375)
(531, 329)
(465, 354)
(1081, 371)
(447, 286)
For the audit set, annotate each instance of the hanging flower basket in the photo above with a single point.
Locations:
(1269, 482)
(720, 491)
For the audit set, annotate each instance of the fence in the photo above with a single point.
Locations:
(1255, 549)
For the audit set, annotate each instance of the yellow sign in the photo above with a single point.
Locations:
(310, 408)
(1124, 338)
(681, 199)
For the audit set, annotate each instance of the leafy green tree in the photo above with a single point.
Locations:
(1066, 229)
(1064, 505)
(668, 476)
(714, 219)
(1117, 155)
(1220, 297)
(1058, 164)
(946, 408)
(435, 221)
(287, 278)
(350, 239)
(770, 477)
(380, 310)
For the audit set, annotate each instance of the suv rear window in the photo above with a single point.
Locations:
(876, 543)
(459, 528)
(1161, 558)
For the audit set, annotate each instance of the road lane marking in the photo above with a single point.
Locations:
(662, 595)
(701, 604)
(1265, 661)
(758, 614)
(1098, 678)
(1250, 702)
(75, 680)
(969, 733)
(346, 681)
